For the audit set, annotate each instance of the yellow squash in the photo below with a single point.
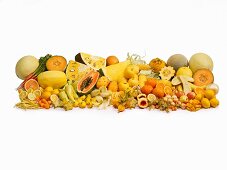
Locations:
(55, 79)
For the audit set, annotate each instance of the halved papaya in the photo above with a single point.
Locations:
(203, 77)
(87, 83)
(56, 63)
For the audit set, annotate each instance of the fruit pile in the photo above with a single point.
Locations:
(92, 81)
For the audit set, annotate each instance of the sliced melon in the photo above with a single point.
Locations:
(75, 70)
(203, 77)
(116, 71)
(94, 62)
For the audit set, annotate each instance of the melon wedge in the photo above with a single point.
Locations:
(116, 71)
(95, 62)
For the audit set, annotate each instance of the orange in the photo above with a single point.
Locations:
(160, 85)
(158, 92)
(111, 60)
(168, 90)
(152, 82)
(199, 90)
(31, 84)
(146, 89)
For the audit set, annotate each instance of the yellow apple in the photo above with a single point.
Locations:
(123, 86)
(131, 70)
(133, 81)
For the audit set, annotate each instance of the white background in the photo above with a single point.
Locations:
(106, 140)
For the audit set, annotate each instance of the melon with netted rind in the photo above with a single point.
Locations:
(25, 66)
(177, 61)
(200, 61)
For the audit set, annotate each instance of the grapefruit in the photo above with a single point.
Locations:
(31, 84)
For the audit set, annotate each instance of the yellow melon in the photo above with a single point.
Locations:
(116, 71)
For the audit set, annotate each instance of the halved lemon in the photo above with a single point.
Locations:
(55, 100)
(151, 98)
(31, 96)
(37, 93)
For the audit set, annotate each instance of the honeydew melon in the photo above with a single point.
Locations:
(200, 61)
(25, 66)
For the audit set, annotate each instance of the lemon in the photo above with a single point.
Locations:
(31, 96)
(214, 102)
(49, 89)
(37, 93)
(184, 71)
(205, 103)
(23, 95)
(209, 94)
(55, 91)
(46, 94)
(151, 98)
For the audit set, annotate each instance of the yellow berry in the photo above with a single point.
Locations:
(199, 96)
(121, 108)
(79, 100)
(214, 102)
(46, 94)
(49, 89)
(90, 105)
(88, 96)
(55, 91)
(205, 103)
(83, 97)
(82, 104)
(93, 100)
(88, 102)
(76, 103)
(209, 94)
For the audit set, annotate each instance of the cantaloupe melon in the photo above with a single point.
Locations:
(203, 77)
